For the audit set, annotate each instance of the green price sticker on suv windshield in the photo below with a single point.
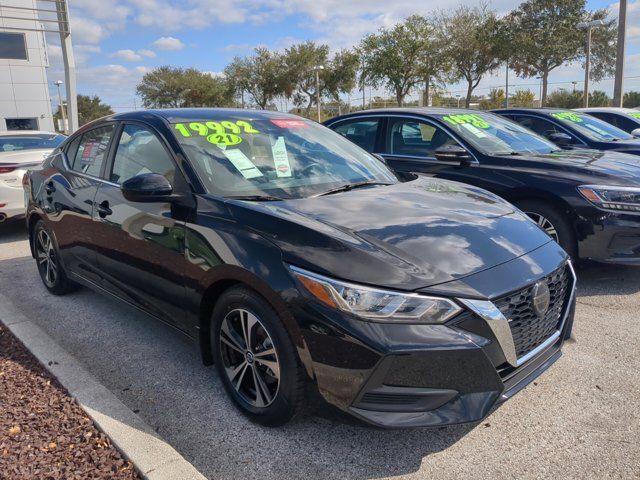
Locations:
(570, 116)
(466, 119)
(635, 114)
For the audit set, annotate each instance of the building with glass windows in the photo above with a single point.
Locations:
(25, 103)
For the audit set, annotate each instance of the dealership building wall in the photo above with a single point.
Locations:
(24, 89)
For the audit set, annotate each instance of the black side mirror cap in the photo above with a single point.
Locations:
(453, 154)
(147, 188)
(560, 138)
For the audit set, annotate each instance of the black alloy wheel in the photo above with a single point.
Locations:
(255, 357)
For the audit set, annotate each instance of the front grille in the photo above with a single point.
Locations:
(528, 329)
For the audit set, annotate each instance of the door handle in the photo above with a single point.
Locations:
(49, 188)
(103, 209)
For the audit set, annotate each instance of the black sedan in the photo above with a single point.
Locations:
(570, 129)
(626, 119)
(302, 266)
(587, 200)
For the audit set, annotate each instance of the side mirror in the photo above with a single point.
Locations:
(147, 187)
(453, 154)
(561, 139)
(636, 132)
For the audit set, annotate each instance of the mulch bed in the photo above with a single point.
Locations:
(44, 434)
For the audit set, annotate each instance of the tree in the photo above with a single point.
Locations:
(402, 57)
(170, 87)
(544, 34)
(338, 73)
(471, 36)
(598, 98)
(631, 99)
(496, 99)
(522, 99)
(261, 75)
(564, 99)
(89, 108)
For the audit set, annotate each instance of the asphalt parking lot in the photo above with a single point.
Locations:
(581, 419)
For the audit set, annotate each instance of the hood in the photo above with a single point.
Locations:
(405, 236)
(616, 168)
(631, 146)
(25, 156)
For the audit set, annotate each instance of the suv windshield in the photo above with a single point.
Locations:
(11, 143)
(275, 158)
(591, 127)
(495, 135)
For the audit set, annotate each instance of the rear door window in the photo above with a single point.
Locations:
(92, 150)
(411, 137)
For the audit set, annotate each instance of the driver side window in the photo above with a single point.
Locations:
(140, 151)
(411, 137)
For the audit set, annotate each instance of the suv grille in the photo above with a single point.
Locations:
(529, 330)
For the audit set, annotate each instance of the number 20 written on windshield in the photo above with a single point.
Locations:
(218, 128)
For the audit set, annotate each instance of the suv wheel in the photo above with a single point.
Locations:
(255, 358)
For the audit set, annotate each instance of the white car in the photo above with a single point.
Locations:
(20, 150)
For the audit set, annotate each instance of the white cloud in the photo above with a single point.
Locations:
(168, 43)
(147, 53)
(127, 55)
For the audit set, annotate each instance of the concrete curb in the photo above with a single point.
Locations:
(154, 458)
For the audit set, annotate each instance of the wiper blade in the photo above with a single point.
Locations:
(255, 198)
(349, 186)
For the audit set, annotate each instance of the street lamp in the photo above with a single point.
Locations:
(588, 26)
(574, 86)
(317, 69)
(458, 97)
(58, 83)
(540, 78)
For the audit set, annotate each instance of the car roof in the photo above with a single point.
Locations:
(14, 133)
(544, 110)
(176, 115)
(607, 109)
(404, 111)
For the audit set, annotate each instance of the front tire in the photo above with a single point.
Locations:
(50, 267)
(255, 358)
(553, 222)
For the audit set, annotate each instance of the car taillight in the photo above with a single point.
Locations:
(7, 168)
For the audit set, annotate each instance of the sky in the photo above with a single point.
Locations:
(117, 41)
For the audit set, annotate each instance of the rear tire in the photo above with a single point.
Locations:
(255, 358)
(553, 222)
(50, 267)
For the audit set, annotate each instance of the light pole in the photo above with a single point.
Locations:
(618, 88)
(317, 69)
(65, 130)
(458, 97)
(588, 26)
(540, 78)
(574, 86)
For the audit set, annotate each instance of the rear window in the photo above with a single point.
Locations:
(10, 143)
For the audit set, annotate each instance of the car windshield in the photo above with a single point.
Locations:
(240, 156)
(591, 127)
(495, 135)
(11, 143)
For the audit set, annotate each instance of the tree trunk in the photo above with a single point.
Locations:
(545, 85)
(399, 97)
(467, 101)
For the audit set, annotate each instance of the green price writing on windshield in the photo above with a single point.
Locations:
(466, 118)
(635, 114)
(207, 129)
(572, 117)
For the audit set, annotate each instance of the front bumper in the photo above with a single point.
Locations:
(611, 238)
(397, 375)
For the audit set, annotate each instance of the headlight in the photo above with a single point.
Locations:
(376, 305)
(612, 198)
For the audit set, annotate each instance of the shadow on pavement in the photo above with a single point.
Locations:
(12, 231)
(599, 279)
